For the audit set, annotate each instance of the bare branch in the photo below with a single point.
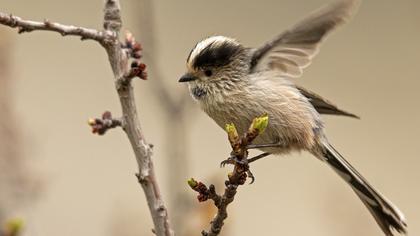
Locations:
(29, 26)
(172, 104)
(123, 73)
(119, 60)
(176, 105)
(112, 16)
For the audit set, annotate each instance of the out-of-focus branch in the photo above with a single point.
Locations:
(119, 60)
(174, 103)
(29, 26)
(20, 183)
(119, 57)
(238, 177)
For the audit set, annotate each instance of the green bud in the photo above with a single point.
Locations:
(230, 128)
(192, 183)
(260, 123)
(232, 132)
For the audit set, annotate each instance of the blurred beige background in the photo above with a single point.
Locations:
(369, 67)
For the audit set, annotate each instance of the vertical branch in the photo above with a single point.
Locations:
(9, 151)
(18, 184)
(131, 125)
(175, 109)
(119, 60)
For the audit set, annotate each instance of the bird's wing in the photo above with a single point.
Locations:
(293, 50)
(323, 106)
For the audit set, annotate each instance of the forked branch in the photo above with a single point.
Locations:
(238, 177)
(120, 56)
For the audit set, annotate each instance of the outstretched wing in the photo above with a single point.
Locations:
(323, 106)
(294, 49)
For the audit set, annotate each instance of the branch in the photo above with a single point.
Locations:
(175, 105)
(238, 177)
(147, 34)
(119, 58)
(29, 26)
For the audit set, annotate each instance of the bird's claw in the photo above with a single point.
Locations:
(251, 176)
(226, 162)
(232, 161)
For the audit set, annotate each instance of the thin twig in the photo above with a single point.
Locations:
(29, 26)
(119, 62)
(147, 33)
(101, 125)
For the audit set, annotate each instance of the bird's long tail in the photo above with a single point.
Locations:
(388, 216)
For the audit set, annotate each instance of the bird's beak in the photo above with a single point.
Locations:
(187, 78)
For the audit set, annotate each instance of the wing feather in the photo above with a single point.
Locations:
(294, 49)
(322, 105)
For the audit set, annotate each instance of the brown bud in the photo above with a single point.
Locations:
(143, 75)
(142, 66)
(137, 47)
(107, 115)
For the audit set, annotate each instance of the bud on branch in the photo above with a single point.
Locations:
(238, 177)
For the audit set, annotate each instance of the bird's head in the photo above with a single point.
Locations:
(215, 63)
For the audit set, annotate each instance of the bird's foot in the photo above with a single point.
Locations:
(242, 162)
(251, 176)
(232, 160)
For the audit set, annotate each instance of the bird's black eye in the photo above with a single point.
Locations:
(208, 73)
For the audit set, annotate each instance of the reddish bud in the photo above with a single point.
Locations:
(142, 66)
(143, 75)
(137, 47)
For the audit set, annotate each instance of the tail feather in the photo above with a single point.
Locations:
(385, 213)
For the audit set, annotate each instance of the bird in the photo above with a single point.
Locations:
(233, 83)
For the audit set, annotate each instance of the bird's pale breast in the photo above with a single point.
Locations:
(292, 119)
